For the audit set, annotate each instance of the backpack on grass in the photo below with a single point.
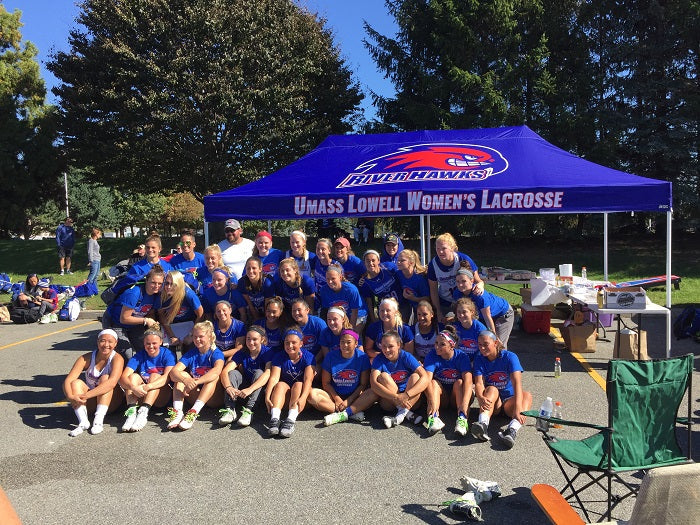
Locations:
(687, 324)
(70, 310)
(22, 315)
(5, 283)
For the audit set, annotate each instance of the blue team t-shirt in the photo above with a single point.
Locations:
(210, 298)
(348, 297)
(384, 284)
(312, 334)
(274, 335)
(226, 339)
(145, 365)
(250, 364)
(447, 371)
(271, 261)
(198, 364)
(291, 372)
(468, 338)
(499, 306)
(375, 331)
(346, 373)
(497, 372)
(353, 269)
(178, 262)
(256, 297)
(135, 298)
(288, 294)
(400, 370)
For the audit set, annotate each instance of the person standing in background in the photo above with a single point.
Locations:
(65, 241)
(94, 257)
(235, 249)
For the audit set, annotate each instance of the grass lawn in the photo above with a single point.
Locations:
(629, 258)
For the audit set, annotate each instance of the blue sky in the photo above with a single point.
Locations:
(47, 23)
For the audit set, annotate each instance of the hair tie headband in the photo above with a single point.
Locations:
(257, 329)
(336, 310)
(299, 233)
(294, 332)
(464, 271)
(450, 338)
(108, 331)
(352, 333)
(368, 252)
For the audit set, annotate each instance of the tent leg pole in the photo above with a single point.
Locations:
(269, 227)
(422, 240)
(605, 246)
(669, 229)
(206, 233)
(427, 241)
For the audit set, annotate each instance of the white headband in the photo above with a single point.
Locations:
(108, 331)
(336, 310)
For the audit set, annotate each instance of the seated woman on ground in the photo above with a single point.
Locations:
(468, 327)
(311, 326)
(398, 379)
(103, 368)
(389, 319)
(291, 375)
(28, 297)
(337, 321)
(244, 377)
(495, 312)
(180, 309)
(145, 380)
(272, 323)
(47, 298)
(223, 289)
(196, 378)
(345, 379)
(229, 332)
(255, 286)
(499, 388)
(447, 367)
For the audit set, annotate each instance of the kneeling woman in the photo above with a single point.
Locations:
(290, 383)
(145, 380)
(498, 385)
(196, 378)
(250, 367)
(345, 379)
(450, 373)
(103, 368)
(398, 379)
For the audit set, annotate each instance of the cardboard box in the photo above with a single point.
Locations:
(580, 338)
(632, 297)
(627, 345)
(535, 319)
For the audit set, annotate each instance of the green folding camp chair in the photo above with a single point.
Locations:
(643, 402)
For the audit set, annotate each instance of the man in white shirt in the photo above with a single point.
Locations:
(235, 249)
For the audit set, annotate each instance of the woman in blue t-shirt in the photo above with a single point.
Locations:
(143, 380)
(499, 388)
(412, 277)
(255, 287)
(229, 332)
(180, 309)
(389, 319)
(290, 383)
(398, 379)
(376, 284)
(345, 379)
(468, 327)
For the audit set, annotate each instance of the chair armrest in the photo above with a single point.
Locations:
(555, 506)
(536, 414)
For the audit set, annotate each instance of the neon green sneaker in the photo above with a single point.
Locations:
(188, 420)
(335, 417)
(461, 426)
(130, 418)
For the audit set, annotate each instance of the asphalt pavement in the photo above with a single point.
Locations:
(347, 473)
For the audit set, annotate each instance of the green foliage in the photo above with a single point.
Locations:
(29, 161)
(198, 95)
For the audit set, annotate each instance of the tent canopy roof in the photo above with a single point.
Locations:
(474, 171)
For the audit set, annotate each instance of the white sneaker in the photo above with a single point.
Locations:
(45, 319)
(389, 421)
(246, 417)
(79, 429)
(141, 420)
(174, 418)
(96, 428)
(228, 415)
(130, 419)
(188, 420)
(461, 426)
(358, 416)
(435, 424)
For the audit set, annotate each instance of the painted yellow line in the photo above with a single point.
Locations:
(556, 335)
(72, 327)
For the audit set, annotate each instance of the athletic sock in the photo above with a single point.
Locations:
(143, 409)
(82, 414)
(515, 424)
(292, 414)
(198, 406)
(349, 411)
(484, 418)
(462, 414)
(177, 405)
(100, 413)
(275, 413)
(401, 413)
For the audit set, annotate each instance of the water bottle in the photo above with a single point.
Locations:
(545, 411)
(557, 413)
(584, 275)
(557, 367)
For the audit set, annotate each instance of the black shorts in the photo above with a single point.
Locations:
(64, 252)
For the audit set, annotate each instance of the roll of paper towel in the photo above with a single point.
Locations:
(566, 270)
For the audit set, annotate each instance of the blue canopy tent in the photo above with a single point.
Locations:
(462, 172)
